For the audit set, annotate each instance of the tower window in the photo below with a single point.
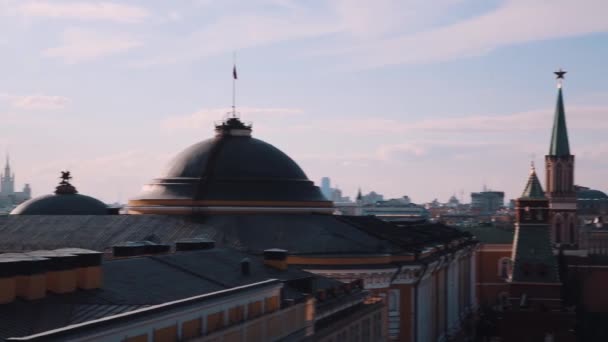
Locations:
(572, 233)
(504, 267)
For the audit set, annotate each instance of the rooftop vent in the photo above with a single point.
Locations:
(31, 275)
(245, 266)
(61, 274)
(88, 267)
(138, 248)
(276, 258)
(194, 244)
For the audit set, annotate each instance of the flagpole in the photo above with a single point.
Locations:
(234, 85)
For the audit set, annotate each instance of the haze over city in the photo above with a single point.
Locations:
(384, 97)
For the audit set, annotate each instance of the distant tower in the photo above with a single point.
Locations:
(359, 197)
(326, 187)
(559, 164)
(535, 274)
(7, 180)
(27, 191)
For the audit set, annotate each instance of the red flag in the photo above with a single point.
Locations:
(234, 73)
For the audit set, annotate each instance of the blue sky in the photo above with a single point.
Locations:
(419, 98)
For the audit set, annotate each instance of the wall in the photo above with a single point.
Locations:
(490, 284)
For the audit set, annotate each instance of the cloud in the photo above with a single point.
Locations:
(238, 31)
(580, 117)
(82, 45)
(515, 22)
(100, 10)
(36, 102)
(365, 35)
(207, 117)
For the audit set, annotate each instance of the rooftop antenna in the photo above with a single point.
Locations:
(532, 157)
(234, 78)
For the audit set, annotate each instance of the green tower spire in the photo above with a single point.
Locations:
(559, 135)
(533, 188)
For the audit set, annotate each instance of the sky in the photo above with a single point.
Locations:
(404, 97)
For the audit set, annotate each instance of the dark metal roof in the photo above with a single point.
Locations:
(533, 189)
(491, 235)
(134, 283)
(61, 204)
(299, 234)
(306, 233)
(534, 259)
(409, 236)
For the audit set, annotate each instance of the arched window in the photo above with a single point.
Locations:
(504, 267)
(557, 233)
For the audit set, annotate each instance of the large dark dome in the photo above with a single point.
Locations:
(65, 201)
(232, 169)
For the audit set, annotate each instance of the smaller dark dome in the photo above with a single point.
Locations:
(585, 194)
(62, 204)
(65, 201)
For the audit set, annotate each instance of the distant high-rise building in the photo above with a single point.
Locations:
(8, 196)
(487, 202)
(372, 198)
(326, 187)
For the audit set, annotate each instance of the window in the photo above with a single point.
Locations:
(558, 229)
(215, 322)
(572, 233)
(254, 309)
(393, 300)
(504, 267)
(236, 314)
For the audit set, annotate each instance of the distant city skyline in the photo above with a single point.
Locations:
(403, 98)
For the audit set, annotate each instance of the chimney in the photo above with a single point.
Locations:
(31, 281)
(276, 258)
(88, 267)
(60, 274)
(29, 276)
(9, 267)
(245, 266)
(194, 244)
(139, 248)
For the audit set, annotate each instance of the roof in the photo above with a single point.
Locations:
(533, 189)
(559, 134)
(491, 234)
(590, 194)
(306, 233)
(135, 283)
(533, 259)
(232, 166)
(410, 236)
(299, 234)
(61, 204)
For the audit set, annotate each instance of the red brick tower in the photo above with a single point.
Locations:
(559, 164)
